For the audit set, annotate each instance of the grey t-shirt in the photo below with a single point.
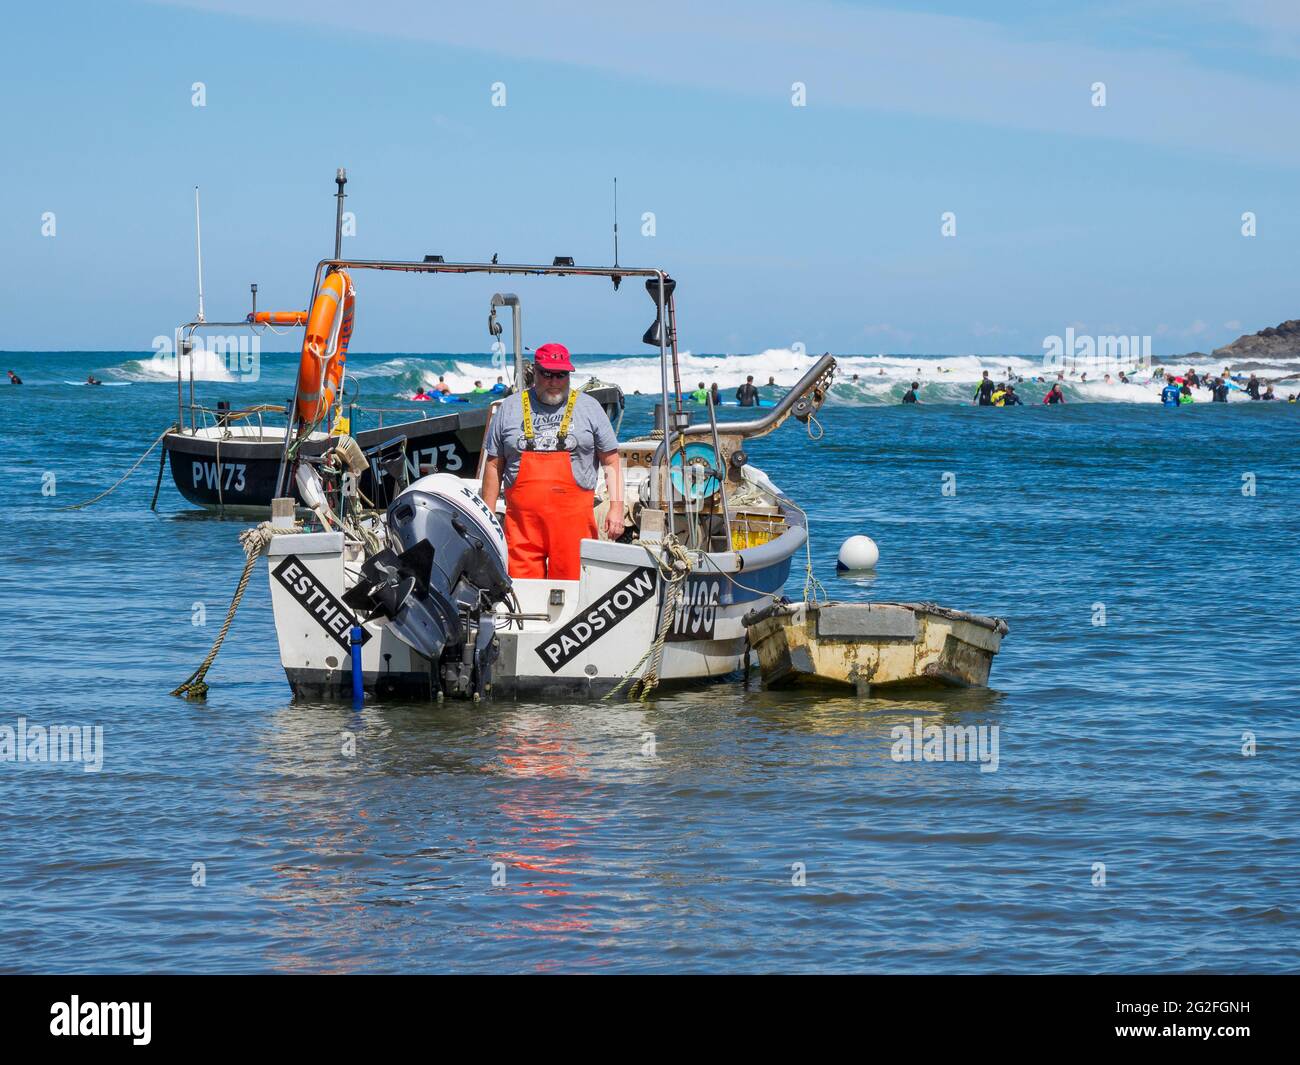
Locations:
(590, 427)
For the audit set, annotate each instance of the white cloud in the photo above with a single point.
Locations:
(942, 66)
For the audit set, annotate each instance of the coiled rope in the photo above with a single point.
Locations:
(254, 542)
(674, 566)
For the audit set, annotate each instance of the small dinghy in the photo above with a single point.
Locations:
(868, 646)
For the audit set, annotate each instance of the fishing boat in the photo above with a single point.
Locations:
(414, 600)
(231, 460)
(234, 460)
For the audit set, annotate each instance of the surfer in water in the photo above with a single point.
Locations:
(1009, 397)
(91, 379)
(1171, 394)
(1054, 395)
(1219, 388)
(442, 387)
(747, 394)
(421, 395)
(984, 391)
(910, 395)
(14, 379)
(700, 395)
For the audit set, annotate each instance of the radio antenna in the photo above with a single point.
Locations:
(340, 179)
(198, 248)
(617, 278)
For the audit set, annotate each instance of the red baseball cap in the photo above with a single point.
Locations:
(552, 357)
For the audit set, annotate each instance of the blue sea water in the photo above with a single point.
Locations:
(669, 836)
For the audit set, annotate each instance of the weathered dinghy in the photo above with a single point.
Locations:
(869, 646)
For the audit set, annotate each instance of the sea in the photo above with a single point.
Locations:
(1132, 805)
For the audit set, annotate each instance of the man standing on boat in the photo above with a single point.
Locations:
(544, 448)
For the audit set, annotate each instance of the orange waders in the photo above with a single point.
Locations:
(547, 513)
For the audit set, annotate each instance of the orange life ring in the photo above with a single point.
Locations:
(278, 318)
(320, 370)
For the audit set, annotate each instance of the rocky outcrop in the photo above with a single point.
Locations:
(1271, 344)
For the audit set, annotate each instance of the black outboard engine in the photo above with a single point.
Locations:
(438, 590)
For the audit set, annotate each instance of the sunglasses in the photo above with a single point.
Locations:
(554, 375)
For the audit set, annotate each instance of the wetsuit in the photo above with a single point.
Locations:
(1054, 397)
(910, 396)
(1252, 388)
(985, 393)
(1170, 395)
(747, 395)
(998, 397)
(1012, 400)
(14, 379)
(1221, 393)
(700, 395)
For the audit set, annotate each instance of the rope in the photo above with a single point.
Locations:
(673, 564)
(254, 542)
(107, 491)
(813, 589)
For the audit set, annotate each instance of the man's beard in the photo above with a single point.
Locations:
(551, 395)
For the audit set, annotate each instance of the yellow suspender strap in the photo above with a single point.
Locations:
(568, 418)
(564, 423)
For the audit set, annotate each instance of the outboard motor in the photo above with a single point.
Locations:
(438, 591)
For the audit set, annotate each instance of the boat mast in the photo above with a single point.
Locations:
(617, 278)
(198, 247)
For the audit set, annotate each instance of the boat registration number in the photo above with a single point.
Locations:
(697, 611)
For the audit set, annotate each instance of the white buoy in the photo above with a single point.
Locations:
(857, 553)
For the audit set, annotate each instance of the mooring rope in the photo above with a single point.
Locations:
(122, 479)
(254, 542)
(674, 565)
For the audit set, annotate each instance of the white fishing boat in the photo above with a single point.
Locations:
(414, 600)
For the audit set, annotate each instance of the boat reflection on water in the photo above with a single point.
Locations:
(392, 825)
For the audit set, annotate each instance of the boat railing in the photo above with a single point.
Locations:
(657, 282)
(218, 417)
(381, 411)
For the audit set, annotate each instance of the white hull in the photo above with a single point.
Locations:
(596, 631)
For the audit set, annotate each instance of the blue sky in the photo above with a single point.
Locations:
(817, 224)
